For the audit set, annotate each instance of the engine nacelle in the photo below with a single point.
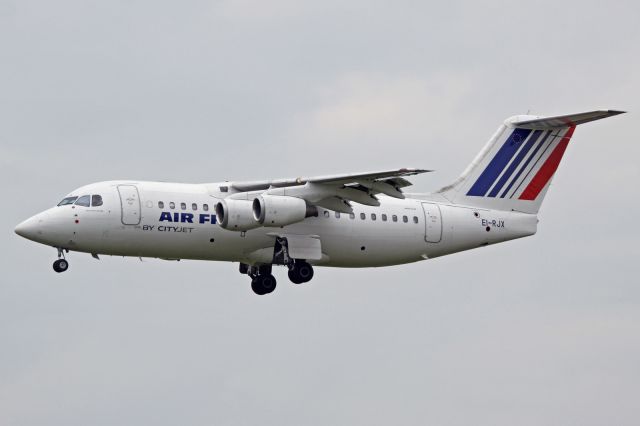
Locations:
(276, 210)
(236, 215)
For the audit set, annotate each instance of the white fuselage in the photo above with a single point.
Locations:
(146, 225)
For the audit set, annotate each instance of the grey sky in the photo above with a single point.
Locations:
(544, 330)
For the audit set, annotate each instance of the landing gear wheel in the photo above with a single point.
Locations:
(263, 284)
(294, 277)
(302, 272)
(60, 265)
(257, 289)
(305, 271)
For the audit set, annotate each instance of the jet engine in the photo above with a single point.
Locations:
(276, 210)
(235, 215)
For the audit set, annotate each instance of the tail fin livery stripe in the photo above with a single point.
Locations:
(515, 163)
(526, 164)
(547, 170)
(499, 162)
(548, 143)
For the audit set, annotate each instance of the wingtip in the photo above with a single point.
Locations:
(414, 170)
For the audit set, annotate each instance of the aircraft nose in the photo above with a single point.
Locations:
(28, 229)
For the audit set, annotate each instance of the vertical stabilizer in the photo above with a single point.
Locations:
(514, 169)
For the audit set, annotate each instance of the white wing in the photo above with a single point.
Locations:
(333, 192)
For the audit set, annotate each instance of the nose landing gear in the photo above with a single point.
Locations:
(61, 264)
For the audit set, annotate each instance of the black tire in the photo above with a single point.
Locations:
(268, 283)
(294, 277)
(60, 265)
(263, 284)
(305, 271)
(256, 287)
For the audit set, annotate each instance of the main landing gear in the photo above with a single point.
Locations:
(263, 282)
(300, 272)
(61, 264)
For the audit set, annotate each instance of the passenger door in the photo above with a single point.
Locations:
(130, 202)
(433, 223)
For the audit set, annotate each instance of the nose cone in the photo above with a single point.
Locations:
(29, 229)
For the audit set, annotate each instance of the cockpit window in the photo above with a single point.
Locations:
(96, 200)
(83, 201)
(68, 200)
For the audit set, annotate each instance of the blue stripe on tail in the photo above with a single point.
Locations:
(515, 163)
(499, 162)
(526, 163)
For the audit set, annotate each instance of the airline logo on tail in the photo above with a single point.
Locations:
(524, 164)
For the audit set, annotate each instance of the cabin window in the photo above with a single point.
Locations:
(373, 216)
(96, 200)
(83, 201)
(326, 213)
(68, 200)
(172, 205)
(363, 216)
(394, 218)
(194, 206)
(183, 206)
(337, 215)
(415, 219)
(352, 215)
(384, 217)
(160, 205)
(405, 219)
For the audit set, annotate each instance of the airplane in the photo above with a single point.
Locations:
(355, 220)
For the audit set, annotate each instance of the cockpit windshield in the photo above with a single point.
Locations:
(83, 201)
(68, 200)
(94, 200)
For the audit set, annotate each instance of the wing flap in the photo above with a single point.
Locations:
(336, 204)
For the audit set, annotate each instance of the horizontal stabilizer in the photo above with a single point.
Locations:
(564, 120)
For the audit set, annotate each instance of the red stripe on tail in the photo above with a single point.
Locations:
(547, 170)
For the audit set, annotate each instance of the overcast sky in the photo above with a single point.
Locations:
(539, 331)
